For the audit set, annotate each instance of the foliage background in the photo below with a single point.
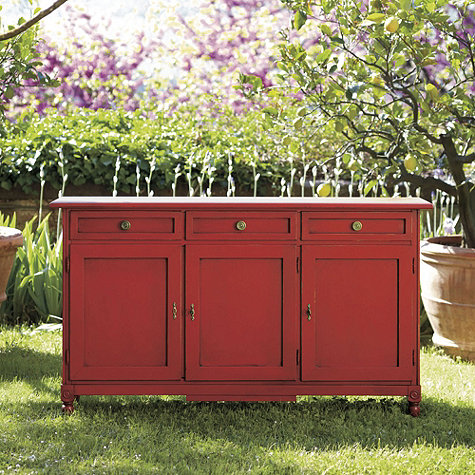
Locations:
(178, 109)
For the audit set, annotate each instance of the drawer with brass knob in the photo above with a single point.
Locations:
(100, 225)
(371, 225)
(241, 225)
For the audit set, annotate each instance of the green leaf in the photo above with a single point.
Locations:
(376, 17)
(339, 126)
(429, 62)
(271, 111)
(370, 186)
(294, 146)
(274, 93)
(6, 185)
(405, 4)
(336, 39)
(9, 92)
(352, 112)
(298, 123)
(326, 29)
(300, 18)
(323, 56)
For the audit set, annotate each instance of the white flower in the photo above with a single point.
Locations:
(449, 226)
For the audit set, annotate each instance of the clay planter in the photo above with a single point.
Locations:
(448, 293)
(10, 240)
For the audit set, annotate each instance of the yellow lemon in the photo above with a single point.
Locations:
(324, 189)
(410, 162)
(432, 92)
(391, 24)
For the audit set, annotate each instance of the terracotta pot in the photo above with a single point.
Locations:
(448, 293)
(10, 240)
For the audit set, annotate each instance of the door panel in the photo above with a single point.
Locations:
(122, 324)
(244, 301)
(360, 313)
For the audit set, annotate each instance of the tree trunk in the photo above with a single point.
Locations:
(465, 192)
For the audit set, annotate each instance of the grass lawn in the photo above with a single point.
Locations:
(129, 434)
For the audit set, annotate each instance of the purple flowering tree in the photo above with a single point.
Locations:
(93, 70)
(198, 56)
(215, 41)
(396, 80)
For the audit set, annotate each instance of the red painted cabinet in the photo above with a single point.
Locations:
(240, 299)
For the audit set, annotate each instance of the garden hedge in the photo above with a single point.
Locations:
(90, 147)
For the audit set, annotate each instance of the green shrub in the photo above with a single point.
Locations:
(132, 154)
(34, 289)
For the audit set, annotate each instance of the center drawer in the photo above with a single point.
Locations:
(126, 224)
(241, 225)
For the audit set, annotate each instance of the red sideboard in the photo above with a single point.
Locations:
(241, 299)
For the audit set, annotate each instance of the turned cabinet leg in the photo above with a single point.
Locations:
(67, 396)
(68, 407)
(414, 398)
(414, 409)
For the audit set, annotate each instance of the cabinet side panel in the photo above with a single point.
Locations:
(65, 316)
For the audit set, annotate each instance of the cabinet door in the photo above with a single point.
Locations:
(361, 301)
(244, 303)
(125, 304)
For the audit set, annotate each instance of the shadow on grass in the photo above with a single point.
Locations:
(177, 427)
(17, 363)
(323, 423)
(178, 437)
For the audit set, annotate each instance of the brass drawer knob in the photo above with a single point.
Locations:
(357, 226)
(125, 225)
(241, 225)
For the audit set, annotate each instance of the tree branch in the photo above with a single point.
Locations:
(32, 21)
(466, 158)
(427, 182)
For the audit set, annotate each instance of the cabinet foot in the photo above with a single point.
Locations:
(414, 409)
(68, 407)
(67, 396)
(414, 399)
